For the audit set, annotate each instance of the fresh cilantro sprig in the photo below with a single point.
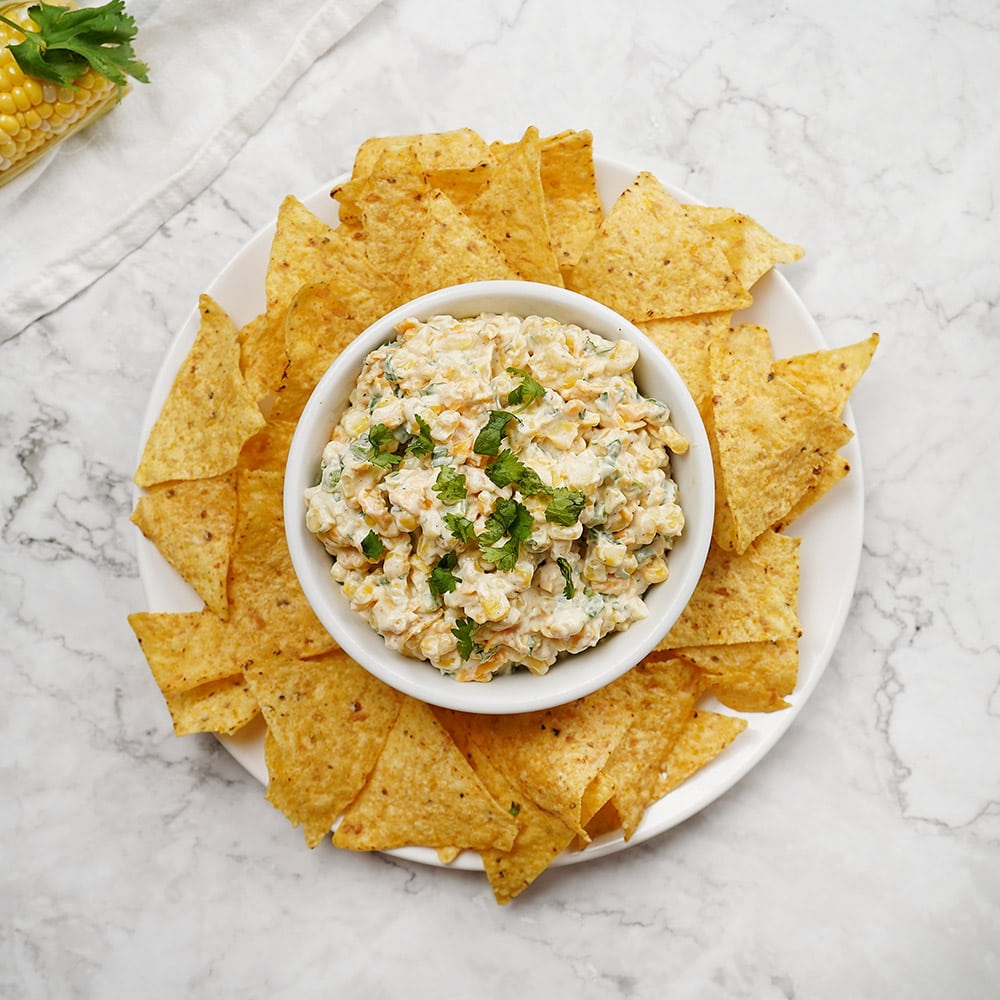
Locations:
(508, 469)
(526, 392)
(420, 443)
(565, 506)
(488, 439)
(465, 632)
(372, 546)
(508, 519)
(442, 580)
(69, 42)
(460, 527)
(450, 485)
(373, 451)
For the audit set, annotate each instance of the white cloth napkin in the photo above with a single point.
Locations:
(217, 71)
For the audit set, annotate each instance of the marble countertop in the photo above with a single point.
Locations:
(860, 857)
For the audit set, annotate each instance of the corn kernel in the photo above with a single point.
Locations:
(9, 124)
(654, 570)
(495, 607)
(21, 99)
(7, 105)
(33, 90)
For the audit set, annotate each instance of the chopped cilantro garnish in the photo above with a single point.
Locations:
(442, 580)
(508, 518)
(527, 392)
(567, 571)
(464, 631)
(420, 443)
(515, 808)
(449, 485)
(529, 482)
(508, 469)
(371, 451)
(488, 439)
(372, 547)
(460, 527)
(565, 506)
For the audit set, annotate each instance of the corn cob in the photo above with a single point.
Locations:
(50, 86)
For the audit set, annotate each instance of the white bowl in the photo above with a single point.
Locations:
(570, 677)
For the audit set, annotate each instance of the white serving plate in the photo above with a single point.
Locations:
(831, 532)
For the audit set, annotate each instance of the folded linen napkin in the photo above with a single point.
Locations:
(217, 72)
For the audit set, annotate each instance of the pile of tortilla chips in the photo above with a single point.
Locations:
(344, 750)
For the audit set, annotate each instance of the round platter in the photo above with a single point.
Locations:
(831, 532)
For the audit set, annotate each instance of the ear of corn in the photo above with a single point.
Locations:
(36, 112)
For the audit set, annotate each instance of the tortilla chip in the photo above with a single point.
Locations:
(328, 720)
(319, 324)
(191, 522)
(834, 469)
(552, 756)
(424, 792)
(262, 355)
(461, 184)
(451, 251)
(661, 695)
(650, 261)
(208, 414)
(769, 443)
(748, 341)
(435, 153)
(186, 649)
(224, 706)
(541, 837)
(510, 210)
(750, 676)
(749, 247)
(393, 206)
(459, 148)
(828, 377)
(266, 603)
(748, 597)
(572, 204)
(685, 341)
(267, 450)
(704, 737)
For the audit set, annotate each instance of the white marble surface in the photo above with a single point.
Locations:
(860, 858)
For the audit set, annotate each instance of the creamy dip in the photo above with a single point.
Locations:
(498, 493)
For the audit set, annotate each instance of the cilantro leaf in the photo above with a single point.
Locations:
(508, 468)
(421, 443)
(460, 527)
(488, 439)
(450, 485)
(508, 518)
(464, 631)
(442, 580)
(67, 42)
(529, 482)
(372, 546)
(527, 392)
(565, 506)
(567, 571)
(371, 450)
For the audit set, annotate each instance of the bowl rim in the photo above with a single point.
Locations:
(520, 691)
